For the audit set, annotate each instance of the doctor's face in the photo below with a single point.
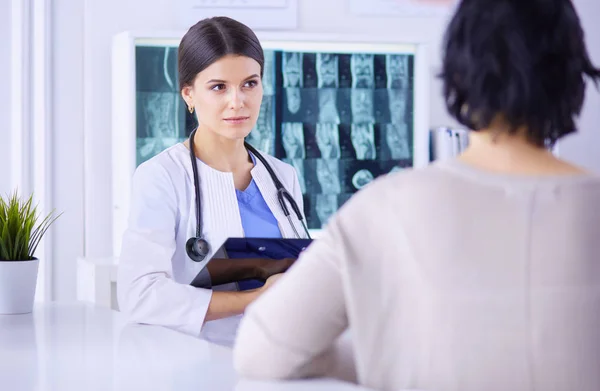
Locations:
(227, 96)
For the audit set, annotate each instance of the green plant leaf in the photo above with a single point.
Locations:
(20, 232)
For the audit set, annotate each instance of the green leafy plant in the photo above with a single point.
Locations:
(20, 232)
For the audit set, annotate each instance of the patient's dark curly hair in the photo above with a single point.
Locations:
(523, 60)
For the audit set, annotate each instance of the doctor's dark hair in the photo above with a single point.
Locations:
(524, 61)
(209, 40)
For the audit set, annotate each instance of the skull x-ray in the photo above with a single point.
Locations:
(327, 70)
(362, 178)
(358, 174)
(292, 134)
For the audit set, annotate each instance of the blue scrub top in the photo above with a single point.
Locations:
(257, 219)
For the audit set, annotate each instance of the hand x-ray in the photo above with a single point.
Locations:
(327, 70)
(363, 140)
(292, 134)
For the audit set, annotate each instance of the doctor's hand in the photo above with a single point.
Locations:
(270, 281)
(271, 267)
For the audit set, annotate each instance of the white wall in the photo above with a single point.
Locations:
(5, 108)
(583, 148)
(101, 23)
(82, 114)
(67, 144)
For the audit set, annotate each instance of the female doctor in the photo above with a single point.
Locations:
(190, 198)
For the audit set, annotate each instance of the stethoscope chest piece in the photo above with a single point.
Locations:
(197, 249)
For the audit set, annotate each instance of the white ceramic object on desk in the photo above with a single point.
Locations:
(17, 286)
(96, 281)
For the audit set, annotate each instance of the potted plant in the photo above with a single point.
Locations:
(20, 234)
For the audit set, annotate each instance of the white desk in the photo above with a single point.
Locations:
(82, 347)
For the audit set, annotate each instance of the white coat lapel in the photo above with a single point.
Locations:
(220, 211)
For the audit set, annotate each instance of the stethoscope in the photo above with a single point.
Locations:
(197, 248)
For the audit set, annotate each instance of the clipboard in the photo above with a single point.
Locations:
(236, 264)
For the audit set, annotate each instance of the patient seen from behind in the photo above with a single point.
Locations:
(475, 273)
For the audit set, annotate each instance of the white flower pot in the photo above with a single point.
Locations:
(18, 280)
